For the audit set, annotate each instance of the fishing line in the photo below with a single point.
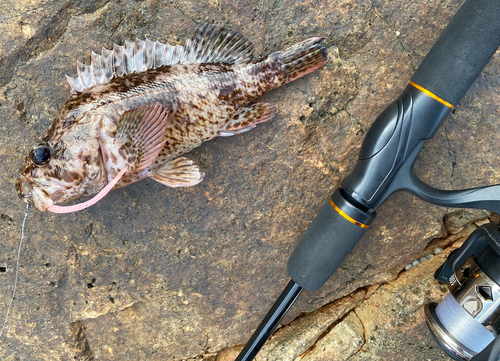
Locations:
(17, 269)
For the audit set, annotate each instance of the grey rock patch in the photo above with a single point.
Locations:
(457, 220)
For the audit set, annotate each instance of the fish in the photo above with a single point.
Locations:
(138, 108)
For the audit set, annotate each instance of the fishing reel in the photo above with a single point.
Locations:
(466, 322)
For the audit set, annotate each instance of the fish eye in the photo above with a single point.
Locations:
(41, 154)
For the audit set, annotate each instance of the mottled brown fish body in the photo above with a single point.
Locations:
(187, 94)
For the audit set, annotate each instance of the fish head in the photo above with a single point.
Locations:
(60, 168)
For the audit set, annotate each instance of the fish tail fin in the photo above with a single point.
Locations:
(301, 59)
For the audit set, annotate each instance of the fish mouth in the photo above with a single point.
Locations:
(32, 195)
(24, 190)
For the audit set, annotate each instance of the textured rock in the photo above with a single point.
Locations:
(393, 317)
(388, 325)
(344, 340)
(456, 221)
(292, 340)
(297, 337)
(152, 272)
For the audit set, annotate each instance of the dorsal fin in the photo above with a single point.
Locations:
(216, 44)
(212, 44)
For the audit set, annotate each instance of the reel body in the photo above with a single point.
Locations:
(467, 322)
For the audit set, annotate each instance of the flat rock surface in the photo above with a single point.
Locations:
(381, 322)
(155, 273)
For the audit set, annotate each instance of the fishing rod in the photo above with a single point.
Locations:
(386, 159)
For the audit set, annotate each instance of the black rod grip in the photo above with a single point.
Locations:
(327, 242)
(462, 51)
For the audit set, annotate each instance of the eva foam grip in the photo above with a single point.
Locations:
(462, 51)
(323, 247)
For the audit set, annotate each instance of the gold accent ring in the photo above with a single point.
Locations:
(350, 219)
(432, 95)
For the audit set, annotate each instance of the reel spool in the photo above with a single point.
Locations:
(467, 322)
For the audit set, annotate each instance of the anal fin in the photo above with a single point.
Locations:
(180, 172)
(248, 117)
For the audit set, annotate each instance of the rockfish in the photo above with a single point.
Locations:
(136, 109)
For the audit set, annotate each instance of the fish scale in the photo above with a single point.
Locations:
(136, 109)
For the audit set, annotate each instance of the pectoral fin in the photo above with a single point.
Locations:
(180, 172)
(140, 135)
(248, 117)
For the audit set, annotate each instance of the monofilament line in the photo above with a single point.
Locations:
(17, 269)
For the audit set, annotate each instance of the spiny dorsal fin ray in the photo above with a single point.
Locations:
(212, 44)
(217, 44)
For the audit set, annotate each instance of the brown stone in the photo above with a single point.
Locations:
(297, 337)
(343, 341)
(393, 317)
(388, 324)
(456, 221)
